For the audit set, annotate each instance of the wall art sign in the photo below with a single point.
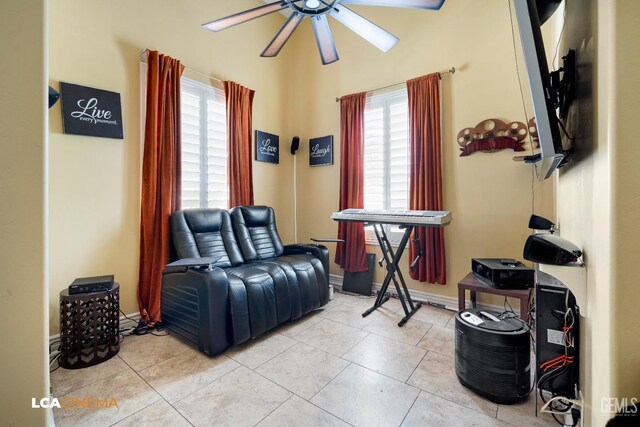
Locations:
(492, 135)
(90, 111)
(267, 147)
(321, 151)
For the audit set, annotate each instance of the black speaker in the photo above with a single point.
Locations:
(360, 283)
(537, 222)
(295, 144)
(550, 249)
(53, 96)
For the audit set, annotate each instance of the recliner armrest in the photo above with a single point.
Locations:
(195, 305)
(316, 250)
(182, 265)
(319, 251)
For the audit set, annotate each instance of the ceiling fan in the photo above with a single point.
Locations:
(318, 10)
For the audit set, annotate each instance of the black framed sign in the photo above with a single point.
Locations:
(267, 147)
(90, 111)
(321, 151)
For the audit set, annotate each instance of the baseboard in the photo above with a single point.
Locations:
(130, 321)
(450, 303)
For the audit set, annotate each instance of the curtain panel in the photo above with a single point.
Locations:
(351, 255)
(239, 127)
(425, 174)
(161, 178)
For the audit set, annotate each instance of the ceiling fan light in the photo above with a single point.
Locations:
(312, 4)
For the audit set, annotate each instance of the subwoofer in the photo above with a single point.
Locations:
(493, 355)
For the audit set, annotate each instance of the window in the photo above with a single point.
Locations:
(386, 155)
(204, 146)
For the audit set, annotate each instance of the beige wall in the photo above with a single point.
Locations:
(625, 80)
(95, 182)
(598, 201)
(625, 92)
(23, 212)
(489, 195)
(584, 197)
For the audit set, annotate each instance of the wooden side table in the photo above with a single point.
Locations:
(89, 327)
(474, 285)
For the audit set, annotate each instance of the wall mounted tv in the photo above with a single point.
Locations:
(551, 151)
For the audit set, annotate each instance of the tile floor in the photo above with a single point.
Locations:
(331, 368)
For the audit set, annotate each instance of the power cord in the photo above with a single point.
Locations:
(564, 22)
(54, 356)
(554, 368)
(142, 327)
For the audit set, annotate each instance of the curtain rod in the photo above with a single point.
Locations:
(451, 70)
(143, 58)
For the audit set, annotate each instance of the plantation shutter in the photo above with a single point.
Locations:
(217, 180)
(191, 150)
(374, 158)
(386, 155)
(398, 154)
(204, 146)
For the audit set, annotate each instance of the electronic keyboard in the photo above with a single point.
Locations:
(399, 217)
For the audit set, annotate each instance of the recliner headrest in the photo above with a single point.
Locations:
(204, 220)
(205, 233)
(256, 216)
(256, 232)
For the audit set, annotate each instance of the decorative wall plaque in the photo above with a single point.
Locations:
(321, 151)
(492, 135)
(267, 147)
(90, 111)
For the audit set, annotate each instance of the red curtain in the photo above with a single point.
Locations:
(239, 126)
(425, 175)
(161, 178)
(351, 255)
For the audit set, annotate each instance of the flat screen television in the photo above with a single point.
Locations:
(551, 150)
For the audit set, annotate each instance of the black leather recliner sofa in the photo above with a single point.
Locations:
(234, 279)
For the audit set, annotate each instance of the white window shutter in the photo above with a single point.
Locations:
(191, 150)
(204, 146)
(374, 159)
(399, 155)
(386, 156)
(217, 181)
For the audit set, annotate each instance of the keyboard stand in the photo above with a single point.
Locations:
(390, 260)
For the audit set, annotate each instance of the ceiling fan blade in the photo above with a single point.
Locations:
(247, 15)
(414, 4)
(326, 45)
(283, 35)
(366, 29)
